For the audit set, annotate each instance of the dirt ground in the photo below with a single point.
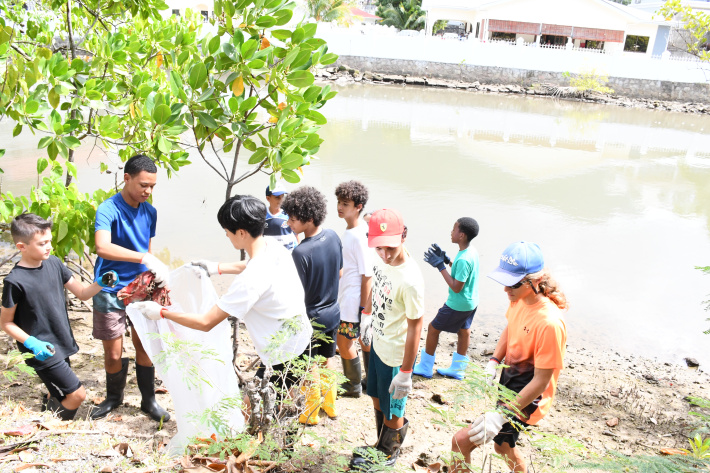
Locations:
(605, 401)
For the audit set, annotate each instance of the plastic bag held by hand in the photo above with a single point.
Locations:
(486, 427)
(143, 288)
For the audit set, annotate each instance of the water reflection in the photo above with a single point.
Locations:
(617, 199)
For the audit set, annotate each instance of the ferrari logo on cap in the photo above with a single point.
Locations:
(383, 226)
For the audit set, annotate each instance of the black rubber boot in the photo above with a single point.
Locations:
(364, 457)
(391, 442)
(62, 412)
(146, 385)
(115, 384)
(366, 361)
(352, 371)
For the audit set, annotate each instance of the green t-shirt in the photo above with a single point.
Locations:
(465, 269)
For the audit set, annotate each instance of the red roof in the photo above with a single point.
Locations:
(362, 13)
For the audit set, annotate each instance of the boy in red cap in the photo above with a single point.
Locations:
(397, 307)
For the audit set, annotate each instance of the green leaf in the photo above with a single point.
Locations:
(300, 78)
(164, 145)
(291, 161)
(311, 94)
(258, 156)
(283, 17)
(175, 83)
(53, 98)
(120, 57)
(77, 64)
(71, 142)
(198, 75)
(310, 29)
(31, 107)
(214, 45)
(63, 230)
(248, 49)
(265, 21)
(42, 164)
(44, 142)
(298, 35)
(71, 168)
(17, 130)
(290, 176)
(161, 114)
(248, 104)
(207, 120)
(206, 95)
(282, 35)
(329, 58)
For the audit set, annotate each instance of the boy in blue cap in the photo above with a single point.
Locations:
(276, 220)
(456, 315)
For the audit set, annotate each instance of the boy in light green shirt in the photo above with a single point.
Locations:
(456, 315)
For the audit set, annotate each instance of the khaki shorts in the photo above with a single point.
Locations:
(110, 319)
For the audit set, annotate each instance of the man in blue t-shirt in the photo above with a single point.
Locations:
(125, 227)
(456, 315)
(277, 221)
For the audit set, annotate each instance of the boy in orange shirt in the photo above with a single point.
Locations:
(533, 346)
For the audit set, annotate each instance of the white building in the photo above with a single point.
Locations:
(593, 24)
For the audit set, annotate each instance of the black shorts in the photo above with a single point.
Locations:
(510, 432)
(450, 320)
(323, 343)
(59, 379)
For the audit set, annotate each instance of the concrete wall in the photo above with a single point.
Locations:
(629, 87)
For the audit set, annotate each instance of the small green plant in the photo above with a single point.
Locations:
(588, 81)
(699, 447)
(15, 365)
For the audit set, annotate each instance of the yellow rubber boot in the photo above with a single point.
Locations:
(311, 389)
(329, 390)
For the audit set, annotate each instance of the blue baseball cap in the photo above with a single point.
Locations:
(278, 190)
(517, 260)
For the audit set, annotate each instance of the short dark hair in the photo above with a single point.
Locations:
(468, 227)
(27, 225)
(306, 203)
(352, 190)
(243, 212)
(138, 163)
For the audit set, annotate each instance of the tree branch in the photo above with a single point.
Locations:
(217, 154)
(71, 33)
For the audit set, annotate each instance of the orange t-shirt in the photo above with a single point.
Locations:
(536, 338)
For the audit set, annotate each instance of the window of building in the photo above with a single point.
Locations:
(553, 40)
(636, 44)
(176, 11)
(205, 15)
(590, 44)
(503, 36)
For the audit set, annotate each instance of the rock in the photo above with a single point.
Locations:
(367, 76)
(437, 398)
(415, 80)
(613, 422)
(342, 68)
(691, 362)
(615, 392)
(436, 83)
(486, 352)
(377, 77)
(393, 78)
(485, 334)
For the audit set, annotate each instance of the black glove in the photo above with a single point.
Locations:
(439, 252)
(433, 259)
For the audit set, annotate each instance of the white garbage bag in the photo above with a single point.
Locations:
(195, 366)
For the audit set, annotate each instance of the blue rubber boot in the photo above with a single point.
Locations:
(457, 369)
(425, 367)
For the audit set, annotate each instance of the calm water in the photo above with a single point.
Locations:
(618, 200)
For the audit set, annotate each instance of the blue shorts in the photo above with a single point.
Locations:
(450, 320)
(379, 378)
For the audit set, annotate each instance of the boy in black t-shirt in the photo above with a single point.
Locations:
(319, 259)
(34, 312)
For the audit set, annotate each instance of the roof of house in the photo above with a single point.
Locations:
(362, 13)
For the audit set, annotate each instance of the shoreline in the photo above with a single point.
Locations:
(343, 74)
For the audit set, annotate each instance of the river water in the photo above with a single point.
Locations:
(618, 199)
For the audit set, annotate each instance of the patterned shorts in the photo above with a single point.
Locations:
(349, 330)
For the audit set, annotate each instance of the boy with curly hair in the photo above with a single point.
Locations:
(355, 283)
(319, 259)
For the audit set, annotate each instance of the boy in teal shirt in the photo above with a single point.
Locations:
(456, 315)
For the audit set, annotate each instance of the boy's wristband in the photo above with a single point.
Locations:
(493, 358)
(406, 371)
(161, 312)
(366, 313)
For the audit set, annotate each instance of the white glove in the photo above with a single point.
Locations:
(485, 427)
(491, 372)
(401, 385)
(212, 267)
(149, 309)
(366, 330)
(156, 267)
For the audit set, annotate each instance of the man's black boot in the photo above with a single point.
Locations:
(55, 406)
(115, 384)
(146, 385)
(352, 371)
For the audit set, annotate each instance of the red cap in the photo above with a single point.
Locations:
(386, 228)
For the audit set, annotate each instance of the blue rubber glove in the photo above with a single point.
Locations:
(439, 252)
(108, 279)
(42, 350)
(434, 260)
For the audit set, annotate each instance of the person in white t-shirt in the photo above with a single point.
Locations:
(397, 307)
(266, 294)
(355, 283)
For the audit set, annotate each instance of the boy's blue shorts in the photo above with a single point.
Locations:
(450, 320)
(379, 378)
